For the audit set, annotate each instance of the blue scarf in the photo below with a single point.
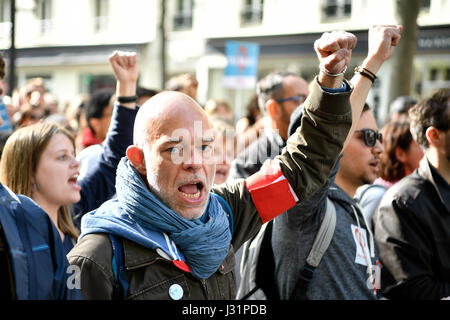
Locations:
(203, 242)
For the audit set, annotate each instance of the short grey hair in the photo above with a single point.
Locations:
(271, 87)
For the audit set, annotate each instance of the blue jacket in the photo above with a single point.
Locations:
(33, 239)
(38, 259)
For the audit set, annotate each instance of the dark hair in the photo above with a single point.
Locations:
(395, 134)
(144, 92)
(251, 108)
(402, 104)
(178, 82)
(271, 87)
(366, 107)
(432, 111)
(97, 102)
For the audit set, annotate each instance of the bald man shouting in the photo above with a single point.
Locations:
(171, 234)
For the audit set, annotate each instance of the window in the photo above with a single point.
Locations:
(5, 8)
(337, 8)
(252, 12)
(433, 74)
(447, 74)
(183, 15)
(425, 5)
(93, 82)
(43, 11)
(101, 15)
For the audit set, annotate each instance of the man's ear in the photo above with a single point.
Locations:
(400, 154)
(136, 157)
(94, 123)
(433, 136)
(272, 108)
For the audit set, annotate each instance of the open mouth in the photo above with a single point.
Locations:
(191, 191)
(73, 178)
(73, 181)
(375, 165)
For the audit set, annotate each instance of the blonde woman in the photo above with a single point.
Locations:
(39, 161)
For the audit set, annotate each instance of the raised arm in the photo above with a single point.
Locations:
(382, 42)
(313, 149)
(334, 51)
(98, 185)
(125, 67)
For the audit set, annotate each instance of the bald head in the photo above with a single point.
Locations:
(173, 149)
(168, 109)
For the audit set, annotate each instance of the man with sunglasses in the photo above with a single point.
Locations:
(349, 268)
(412, 225)
(360, 162)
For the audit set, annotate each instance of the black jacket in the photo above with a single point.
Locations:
(412, 228)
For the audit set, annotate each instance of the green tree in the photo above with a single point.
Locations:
(163, 42)
(402, 61)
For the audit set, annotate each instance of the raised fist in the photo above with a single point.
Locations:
(382, 40)
(334, 50)
(124, 65)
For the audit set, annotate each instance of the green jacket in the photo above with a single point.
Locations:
(306, 162)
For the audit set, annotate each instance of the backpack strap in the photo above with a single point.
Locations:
(359, 196)
(118, 266)
(258, 267)
(320, 245)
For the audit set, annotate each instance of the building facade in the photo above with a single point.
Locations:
(68, 42)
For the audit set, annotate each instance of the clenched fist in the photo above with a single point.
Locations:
(382, 40)
(334, 50)
(124, 65)
(126, 71)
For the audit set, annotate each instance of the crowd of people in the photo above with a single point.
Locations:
(137, 193)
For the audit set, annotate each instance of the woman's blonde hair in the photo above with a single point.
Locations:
(19, 161)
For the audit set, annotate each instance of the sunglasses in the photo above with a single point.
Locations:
(299, 99)
(370, 137)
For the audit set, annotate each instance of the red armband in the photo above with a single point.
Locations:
(271, 192)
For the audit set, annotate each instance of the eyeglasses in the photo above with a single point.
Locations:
(370, 137)
(299, 99)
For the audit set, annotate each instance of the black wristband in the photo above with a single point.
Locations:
(366, 73)
(127, 99)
